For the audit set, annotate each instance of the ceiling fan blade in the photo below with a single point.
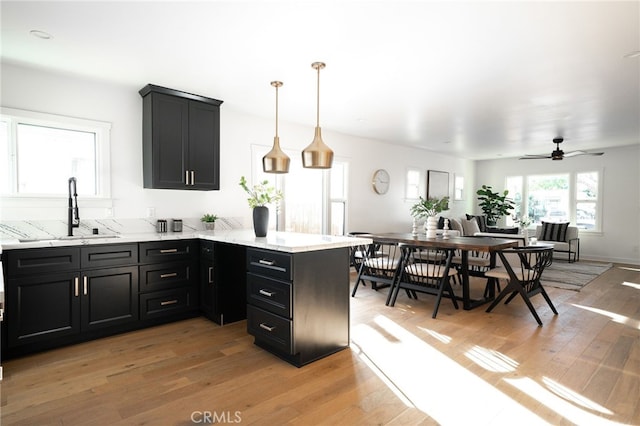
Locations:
(576, 153)
(534, 157)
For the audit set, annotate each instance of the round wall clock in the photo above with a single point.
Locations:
(380, 181)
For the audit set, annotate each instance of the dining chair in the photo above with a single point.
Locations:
(378, 264)
(425, 271)
(522, 268)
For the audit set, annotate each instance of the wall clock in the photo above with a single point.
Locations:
(380, 181)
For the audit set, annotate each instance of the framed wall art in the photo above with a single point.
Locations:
(437, 184)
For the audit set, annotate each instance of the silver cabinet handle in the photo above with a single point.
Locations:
(210, 275)
(186, 177)
(193, 177)
(267, 327)
(171, 275)
(169, 251)
(84, 285)
(266, 262)
(266, 292)
(169, 302)
(77, 286)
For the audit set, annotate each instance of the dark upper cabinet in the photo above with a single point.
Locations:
(181, 139)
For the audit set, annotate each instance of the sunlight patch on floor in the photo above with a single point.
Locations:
(628, 268)
(621, 319)
(491, 360)
(566, 393)
(632, 285)
(441, 337)
(435, 384)
(569, 411)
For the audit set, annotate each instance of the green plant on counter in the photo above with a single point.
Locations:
(260, 194)
(209, 218)
(429, 207)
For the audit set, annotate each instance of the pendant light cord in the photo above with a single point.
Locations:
(318, 101)
(276, 111)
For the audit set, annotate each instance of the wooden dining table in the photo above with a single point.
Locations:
(465, 245)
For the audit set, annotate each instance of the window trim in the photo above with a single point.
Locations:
(102, 129)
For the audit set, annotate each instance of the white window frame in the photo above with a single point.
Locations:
(102, 130)
(573, 199)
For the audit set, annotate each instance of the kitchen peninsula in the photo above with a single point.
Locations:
(295, 287)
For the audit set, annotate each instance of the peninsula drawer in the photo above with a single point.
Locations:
(100, 256)
(270, 295)
(42, 260)
(271, 329)
(167, 251)
(270, 263)
(163, 276)
(169, 302)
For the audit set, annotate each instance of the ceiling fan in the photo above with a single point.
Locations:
(559, 154)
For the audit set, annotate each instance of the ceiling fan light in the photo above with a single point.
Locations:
(276, 161)
(317, 155)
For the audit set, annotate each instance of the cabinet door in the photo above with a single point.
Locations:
(207, 301)
(109, 297)
(41, 308)
(204, 145)
(168, 140)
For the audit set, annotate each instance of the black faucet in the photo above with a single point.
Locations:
(73, 216)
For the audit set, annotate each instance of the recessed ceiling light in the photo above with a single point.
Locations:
(41, 34)
(635, 54)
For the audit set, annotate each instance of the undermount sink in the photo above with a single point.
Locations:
(72, 237)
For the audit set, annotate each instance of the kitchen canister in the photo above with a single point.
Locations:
(176, 225)
(161, 225)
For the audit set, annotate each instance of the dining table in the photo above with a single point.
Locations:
(465, 245)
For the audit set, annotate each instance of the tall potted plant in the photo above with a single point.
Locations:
(429, 208)
(259, 196)
(494, 205)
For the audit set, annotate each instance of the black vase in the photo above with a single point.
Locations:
(260, 221)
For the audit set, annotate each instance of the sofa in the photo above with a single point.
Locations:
(563, 237)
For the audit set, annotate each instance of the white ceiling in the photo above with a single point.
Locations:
(474, 79)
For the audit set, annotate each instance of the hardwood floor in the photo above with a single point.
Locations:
(403, 367)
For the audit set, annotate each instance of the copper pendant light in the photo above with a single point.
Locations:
(276, 161)
(317, 155)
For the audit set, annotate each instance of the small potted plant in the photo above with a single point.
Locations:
(429, 208)
(259, 196)
(209, 221)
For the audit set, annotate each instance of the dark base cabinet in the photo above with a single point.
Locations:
(223, 291)
(298, 303)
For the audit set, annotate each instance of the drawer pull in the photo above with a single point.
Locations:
(267, 327)
(267, 292)
(174, 250)
(84, 285)
(171, 275)
(76, 281)
(266, 262)
(169, 302)
(210, 276)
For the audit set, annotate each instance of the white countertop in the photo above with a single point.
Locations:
(281, 241)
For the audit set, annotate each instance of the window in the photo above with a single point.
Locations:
(315, 201)
(40, 152)
(413, 184)
(563, 197)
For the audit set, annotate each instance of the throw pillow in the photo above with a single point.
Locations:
(470, 226)
(482, 222)
(554, 231)
(455, 225)
(441, 222)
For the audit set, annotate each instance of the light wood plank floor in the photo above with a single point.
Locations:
(403, 367)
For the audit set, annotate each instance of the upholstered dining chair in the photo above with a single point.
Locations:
(522, 268)
(378, 264)
(425, 271)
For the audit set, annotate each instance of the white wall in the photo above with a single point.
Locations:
(49, 92)
(619, 240)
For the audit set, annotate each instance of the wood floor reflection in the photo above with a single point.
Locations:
(403, 367)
